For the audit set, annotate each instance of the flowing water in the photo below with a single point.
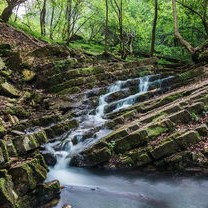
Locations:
(98, 189)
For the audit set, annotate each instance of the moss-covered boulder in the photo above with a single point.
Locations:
(27, 175)
(42, 195)
(26, 143)
(131, 141)
(7, 195)
(139, 156)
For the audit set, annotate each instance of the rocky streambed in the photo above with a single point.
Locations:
(78, 111)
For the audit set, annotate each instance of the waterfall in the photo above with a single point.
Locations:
(92, 127)
(126, 102)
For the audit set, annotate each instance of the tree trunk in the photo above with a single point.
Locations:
(43, 19)
(7, 12)
(182, 41)
(106, 26)
(154, 28)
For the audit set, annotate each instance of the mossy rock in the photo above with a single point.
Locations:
(92, 157)
(23, 178)
(181, 117)
(4, 150)
(187, 139)
(60, 128)
(139, 156)
(17, 111)
(197, 107)
(2, 130)
(23, 144)
(165, 148)
(39, 172)
(159, 128)
(69, 91)
(42, 195)
(11, 149)
(202, 130)
(7, 194)
(118, 134)
(9, 90)
(131, 141)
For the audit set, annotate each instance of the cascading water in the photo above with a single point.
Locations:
(82, 137)
(88, 123)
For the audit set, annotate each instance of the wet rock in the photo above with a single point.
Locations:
(92, 157)
(60, 128)
(139, 156)
(42, 195)
(26, 143)
(49, 159)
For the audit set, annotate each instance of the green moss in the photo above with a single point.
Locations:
(23, 178)
(17, 111)
(4, 150)
(63, 65)
(155, 131)
(2, 130)
(6, 192)
(39, 171)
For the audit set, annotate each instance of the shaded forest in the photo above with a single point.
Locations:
(124, 28)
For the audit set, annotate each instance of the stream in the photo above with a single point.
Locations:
(94, 188)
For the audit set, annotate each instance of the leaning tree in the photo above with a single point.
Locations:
(199, 54)
(7, 12)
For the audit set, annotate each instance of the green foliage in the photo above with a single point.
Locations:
(112, 145)
(194, 116)
(87, 24)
